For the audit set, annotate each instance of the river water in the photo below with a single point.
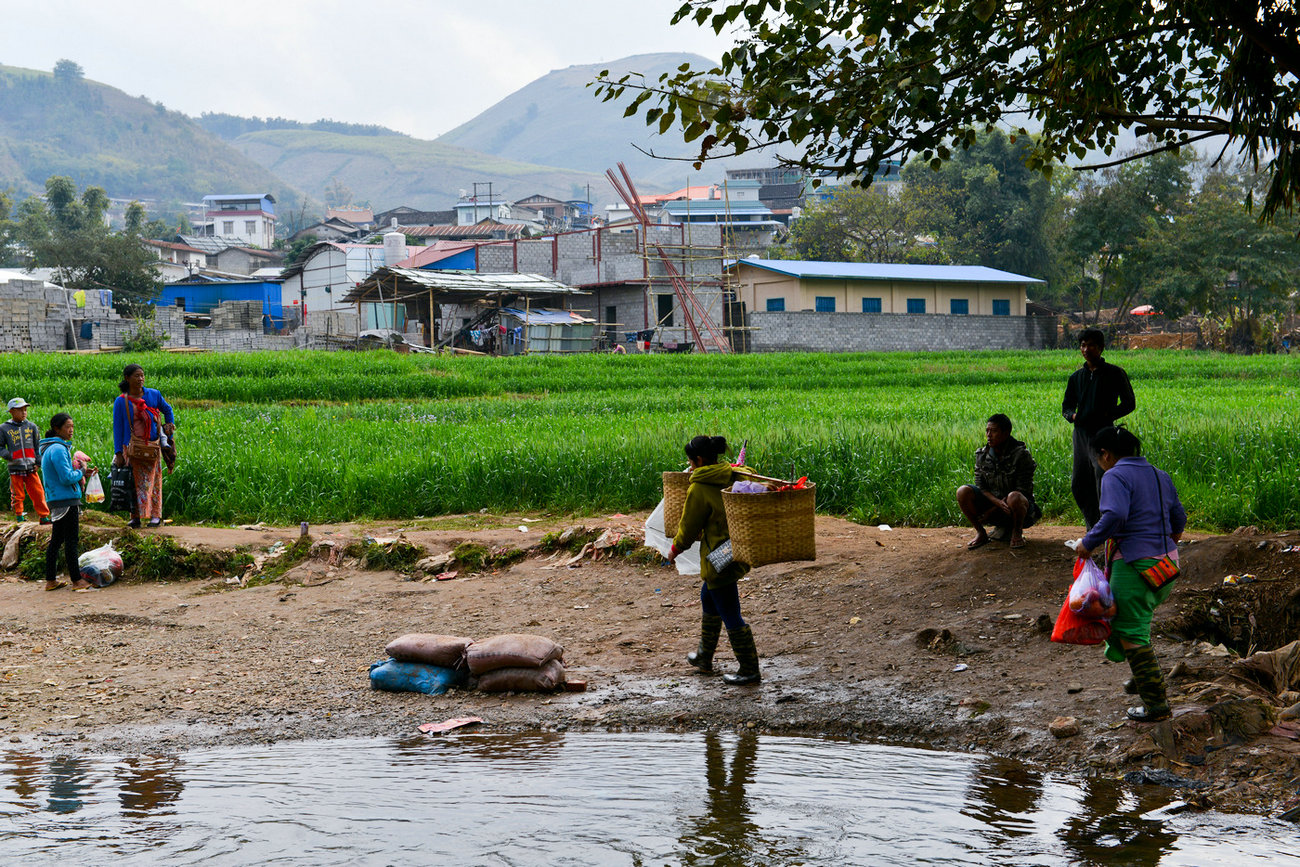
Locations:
(595, 798)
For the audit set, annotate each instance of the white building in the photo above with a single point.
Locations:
(327, 271)
(248, 219)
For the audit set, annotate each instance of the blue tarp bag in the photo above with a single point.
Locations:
(394, 676)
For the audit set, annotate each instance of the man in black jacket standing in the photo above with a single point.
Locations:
(1097, 395)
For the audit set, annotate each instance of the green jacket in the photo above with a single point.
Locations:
(704, 519)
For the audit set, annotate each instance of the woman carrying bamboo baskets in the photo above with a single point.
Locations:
(703, 518)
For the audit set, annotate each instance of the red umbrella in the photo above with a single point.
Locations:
(1143, 310)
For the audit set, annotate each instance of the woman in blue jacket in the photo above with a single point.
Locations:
(63, 486)
(141, 419)
(1140, 510)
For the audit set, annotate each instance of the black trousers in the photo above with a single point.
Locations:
(1085, 480)
(64, 535)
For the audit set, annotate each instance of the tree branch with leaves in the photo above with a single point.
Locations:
(854, 83)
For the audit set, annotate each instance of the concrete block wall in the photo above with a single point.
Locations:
(629, 308)
(237, 316)
(896, 332)
(237, 341)
(579, 259)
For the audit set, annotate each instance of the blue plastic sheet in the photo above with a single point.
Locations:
(394, 676)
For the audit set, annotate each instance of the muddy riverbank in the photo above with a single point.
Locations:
(898, 634)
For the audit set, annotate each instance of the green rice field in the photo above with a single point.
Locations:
(320, 437)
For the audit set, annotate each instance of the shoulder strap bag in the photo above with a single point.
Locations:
(1165, 569)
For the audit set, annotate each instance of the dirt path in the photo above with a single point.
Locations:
(852, 644)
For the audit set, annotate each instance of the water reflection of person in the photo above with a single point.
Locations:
(1005, 795)
(149, 783)
(24, 771)
(68, 784)
(725, 832)
(1103, 829)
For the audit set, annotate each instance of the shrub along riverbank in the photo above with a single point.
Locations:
(887, 437)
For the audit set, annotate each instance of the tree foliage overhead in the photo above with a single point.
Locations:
(856, 82)
(68, 232)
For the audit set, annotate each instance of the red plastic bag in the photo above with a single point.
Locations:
(1085, 614)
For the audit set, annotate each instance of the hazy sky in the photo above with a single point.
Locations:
(421, 67)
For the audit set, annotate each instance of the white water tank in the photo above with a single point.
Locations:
(394, 248)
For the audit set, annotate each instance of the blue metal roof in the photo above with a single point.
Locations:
(882, 271)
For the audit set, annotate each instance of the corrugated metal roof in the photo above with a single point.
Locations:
(412, 281)
(883, 271)
(479, 230)
(717, 206)
(546, 316)
(207, 243)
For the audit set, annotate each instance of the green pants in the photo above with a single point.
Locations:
(1136, 603)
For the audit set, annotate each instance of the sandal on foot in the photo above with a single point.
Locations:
(57, 585)
(1018, 542)
(977, 542)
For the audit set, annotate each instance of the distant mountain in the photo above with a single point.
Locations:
(558, 120)
(98, 135)
(388, 170)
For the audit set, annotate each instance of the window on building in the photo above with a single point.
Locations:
(1001, 307)
(871, 305)
(959, 306)
(227, 227)
(915, 305)
(664, 309)
(180, 302)
(776, 305)
(250, 227)
(824, 303)
(611, 314)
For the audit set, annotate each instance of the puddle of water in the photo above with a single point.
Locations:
(599, 799)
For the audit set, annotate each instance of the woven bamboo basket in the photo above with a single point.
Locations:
(776, 527)
(675, 485)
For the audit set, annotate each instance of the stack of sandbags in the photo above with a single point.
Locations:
(422, 662)
(517, 663)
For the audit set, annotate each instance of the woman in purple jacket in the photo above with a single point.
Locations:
(1140, 510)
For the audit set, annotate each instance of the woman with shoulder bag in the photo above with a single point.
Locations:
(137, 441)
(63, 487)
(703, 518)
(1142, 519)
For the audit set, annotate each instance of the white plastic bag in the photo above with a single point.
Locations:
(94, 489)
(688, 562)
(1090, 596)
(101, 566)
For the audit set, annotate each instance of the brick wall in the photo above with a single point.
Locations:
(896, 332)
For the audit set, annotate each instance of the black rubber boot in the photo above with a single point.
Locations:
(742, 644)
(702, 656)
(1150, 684)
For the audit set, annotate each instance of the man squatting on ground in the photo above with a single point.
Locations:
(1097, 394)
(19, 439)
(1003, 493)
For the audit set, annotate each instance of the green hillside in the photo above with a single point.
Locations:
(389, 170)
(98, 135)
(557, 120)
